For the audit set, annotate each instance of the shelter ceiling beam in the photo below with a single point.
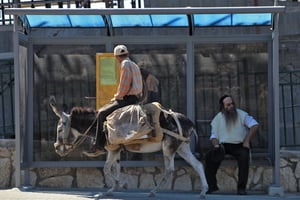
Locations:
(125, 11)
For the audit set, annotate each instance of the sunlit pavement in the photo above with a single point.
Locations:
(74, 194)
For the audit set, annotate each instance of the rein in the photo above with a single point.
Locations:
(78, 142)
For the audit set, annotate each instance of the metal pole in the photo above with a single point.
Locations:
(17, 103)
(276, 189)
(190, 84)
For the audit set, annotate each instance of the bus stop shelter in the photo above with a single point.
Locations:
(24, 93)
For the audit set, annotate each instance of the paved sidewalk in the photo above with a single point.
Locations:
(73, 194)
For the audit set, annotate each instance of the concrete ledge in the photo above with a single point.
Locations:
(276, 191)
(8, 143)
(255, 161)
(290, 153)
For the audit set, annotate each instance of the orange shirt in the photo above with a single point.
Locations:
(131, 82)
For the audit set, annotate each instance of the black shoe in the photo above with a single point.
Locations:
(212, 189)
(242, 192)
(94, 152)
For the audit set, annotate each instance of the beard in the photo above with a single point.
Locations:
(231, 117)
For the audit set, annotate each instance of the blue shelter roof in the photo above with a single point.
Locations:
(148, 20)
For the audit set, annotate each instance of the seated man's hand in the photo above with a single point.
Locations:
(246, 144)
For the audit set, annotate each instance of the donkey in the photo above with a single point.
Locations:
(73, 128)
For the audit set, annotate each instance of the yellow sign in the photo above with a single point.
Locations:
(107, 78)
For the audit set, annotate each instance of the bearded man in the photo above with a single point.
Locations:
(231, 132)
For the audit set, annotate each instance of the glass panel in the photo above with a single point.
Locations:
(232, 19)
(68, 73)
(48, 20)
(212, 19)
(65, 21)
(86, 21)
(289, 84)
(251, 19)
(168, 64)
(236, 69)
(130, 20)
(149, 20)
(169, 20)
(7, 128)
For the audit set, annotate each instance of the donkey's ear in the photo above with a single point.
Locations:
(52, 100)
(52, 103)
(65, 115)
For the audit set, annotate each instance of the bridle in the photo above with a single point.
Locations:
(79, 141)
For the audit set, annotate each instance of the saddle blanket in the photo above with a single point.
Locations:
(127, 124)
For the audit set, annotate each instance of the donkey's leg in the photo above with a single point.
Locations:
(185, 152)
(112, 161)
(169, 169)
(117, 171)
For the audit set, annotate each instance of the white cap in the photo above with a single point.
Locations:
(120, 50)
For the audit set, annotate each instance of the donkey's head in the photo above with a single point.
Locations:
(71, 126)
(62, 130)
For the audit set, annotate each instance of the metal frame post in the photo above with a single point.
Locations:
(17, 102)
(275, 188)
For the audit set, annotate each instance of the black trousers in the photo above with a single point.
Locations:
(241, 154)
(108, 109)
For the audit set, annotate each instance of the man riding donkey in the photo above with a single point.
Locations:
(128, 93)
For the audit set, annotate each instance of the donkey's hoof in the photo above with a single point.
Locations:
(151, 194)
(125, 186)
(97, 196)
(109, 193)
(202, 196)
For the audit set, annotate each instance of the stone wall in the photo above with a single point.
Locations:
(7, 155)
(184, 178)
